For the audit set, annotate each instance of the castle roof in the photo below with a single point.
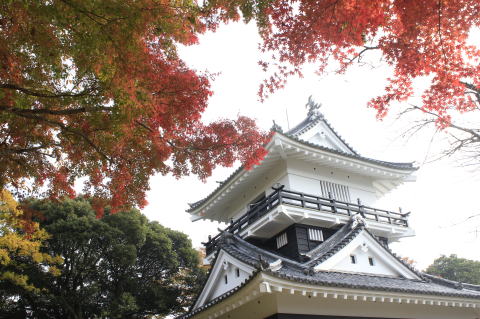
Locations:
(299, 137)
(304, 272)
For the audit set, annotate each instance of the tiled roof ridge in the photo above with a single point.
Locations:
(305, 266)
(451, 283)
(231, 244)
(265, 252)
(310, 122)
(305, 125)
(223, 296)
(348, 237)
(209, 273)
(396, 165)
(224, 245)
(313, 280)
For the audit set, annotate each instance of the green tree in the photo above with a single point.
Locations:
(119, 266)
(455, 268)
(20, 244)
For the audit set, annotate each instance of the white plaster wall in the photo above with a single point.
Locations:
(320, 134)
(220, 287)
(305, 177)
(362, 265)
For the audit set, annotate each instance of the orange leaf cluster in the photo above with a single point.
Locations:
(95, 89)
(417, 38)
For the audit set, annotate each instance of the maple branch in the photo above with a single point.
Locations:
(440, 31)
(474, 90)
(87, 13)
(54, 111)
(359, 55)
(65, 128)
(472, 132)
(463, 139)
(46, 94)
(144, 126)
(24, 150)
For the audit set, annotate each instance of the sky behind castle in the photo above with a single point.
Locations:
(442, 199)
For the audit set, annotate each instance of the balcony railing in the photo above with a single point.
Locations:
(297, 199)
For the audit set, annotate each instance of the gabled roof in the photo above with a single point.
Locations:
(294, 135)
(262, 260)
(309, 122)
(395, 165)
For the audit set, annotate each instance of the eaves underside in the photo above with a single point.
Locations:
(401, 168)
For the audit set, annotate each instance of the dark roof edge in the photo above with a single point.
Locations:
(223, 296)
(394, 165)
(347, 238)
(408, 166)
(310, 122)
(451, 283)
(358, 286)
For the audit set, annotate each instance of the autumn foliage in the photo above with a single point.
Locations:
(21, 241)
(417, 38)
(95, 89)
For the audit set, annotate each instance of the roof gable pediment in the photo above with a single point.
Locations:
(365, 255)
(316, 130)
(227, 273)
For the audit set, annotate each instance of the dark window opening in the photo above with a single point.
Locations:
(370, 261)
(353, 259)
(226, 279)
(237, 271)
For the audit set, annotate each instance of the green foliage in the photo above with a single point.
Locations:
(20, 244)
(119, 266)
(455, 268)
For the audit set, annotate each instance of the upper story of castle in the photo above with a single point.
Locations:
(310, 176)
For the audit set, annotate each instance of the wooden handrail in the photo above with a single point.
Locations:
(298, 199)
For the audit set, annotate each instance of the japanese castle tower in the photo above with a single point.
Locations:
(304, 240)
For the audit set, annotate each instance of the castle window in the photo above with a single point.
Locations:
(237, 272)
(338, 192)
(370, 261)
(353, 259)
(315, 234)
(226, 279)
(281, 240)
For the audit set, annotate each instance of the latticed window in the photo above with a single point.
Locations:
(339, 192)
(315, 234)
(281, 240)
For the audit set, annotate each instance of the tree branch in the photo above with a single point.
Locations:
(65, 128)
(46, 94)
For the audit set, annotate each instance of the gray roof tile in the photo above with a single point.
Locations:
(301, 272)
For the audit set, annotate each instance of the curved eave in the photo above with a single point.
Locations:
(285, 146)
(229, 182)
(307, 146)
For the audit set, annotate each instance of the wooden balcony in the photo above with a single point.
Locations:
(280, 196)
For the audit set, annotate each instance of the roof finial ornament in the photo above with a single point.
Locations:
(276, 127)
(313, 108)
(357, 219)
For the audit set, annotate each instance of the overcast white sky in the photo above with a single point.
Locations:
(441, 199)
